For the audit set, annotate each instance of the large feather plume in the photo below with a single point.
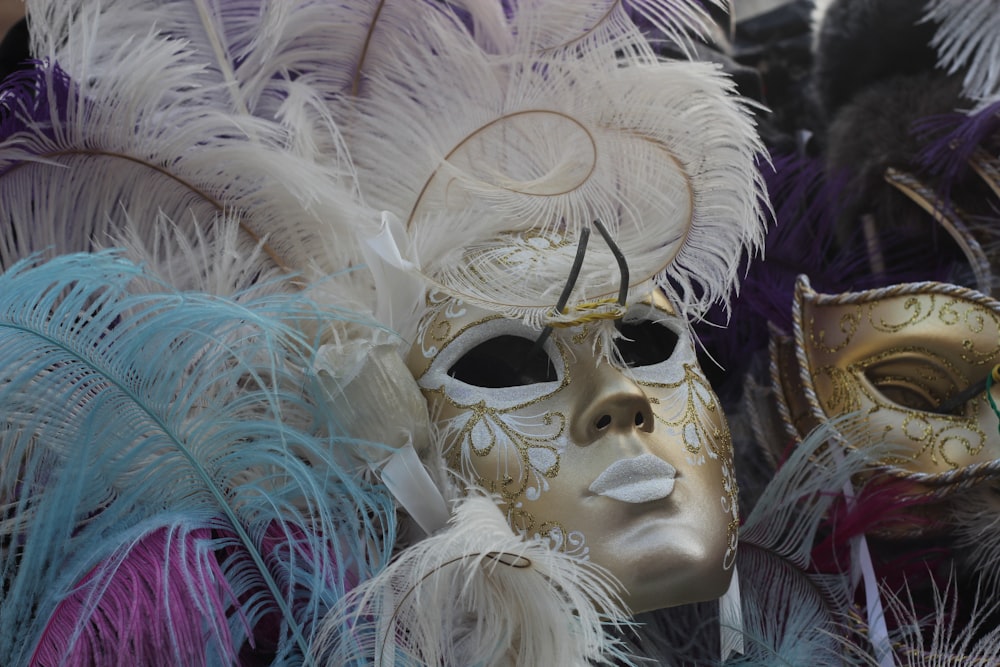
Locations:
(246, 55)
(476, 593)
(968, 40)
(158, 437)
(792, 614)
(537, 25)
(662, 154)
(949, 635)
(263, 91)
(141, 123)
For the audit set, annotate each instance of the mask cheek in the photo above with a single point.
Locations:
(516, 456)
(690, 412)
(509, 452)
(693, 433)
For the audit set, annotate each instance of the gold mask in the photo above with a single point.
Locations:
(892, 356)
(629, 467)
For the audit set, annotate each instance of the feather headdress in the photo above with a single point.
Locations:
(265, 151)
(546, 142)
(464, 139)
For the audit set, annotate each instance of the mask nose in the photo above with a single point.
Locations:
(614, 404)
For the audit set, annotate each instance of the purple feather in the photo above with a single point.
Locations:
(952, 138)
(808, 204)
(31, 100)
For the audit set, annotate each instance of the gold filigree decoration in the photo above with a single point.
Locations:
(849, 323)
(698, 400)
(527, 524)
(913, 305)
(529, 460)
(843, 396)
(537, 441)
(536, 454)
(931, 434)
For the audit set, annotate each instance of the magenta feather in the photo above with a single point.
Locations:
(164, 599)
(186, 593)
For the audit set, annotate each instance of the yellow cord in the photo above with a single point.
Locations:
(591, 311)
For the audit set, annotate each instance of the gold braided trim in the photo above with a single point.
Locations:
(587, 312)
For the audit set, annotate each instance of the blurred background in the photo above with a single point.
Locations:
(10, 12)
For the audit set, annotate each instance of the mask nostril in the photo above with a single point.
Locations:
(603, 422)
(639, 419)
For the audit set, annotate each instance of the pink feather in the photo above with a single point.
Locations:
(162, 600)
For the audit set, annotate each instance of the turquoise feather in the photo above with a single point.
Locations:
(130, 407)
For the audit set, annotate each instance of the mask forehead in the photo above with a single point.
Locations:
(893, 356)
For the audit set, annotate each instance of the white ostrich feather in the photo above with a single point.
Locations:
(490, 24)
(969, 39)
(222, 261)
(476, 593)
(253, 51)
(138, 143)
(240, 105)
(541, 25)
(230, 41)
(56, 33)
(248, 57)
(946, 637)
(975, 515)
(463, 145)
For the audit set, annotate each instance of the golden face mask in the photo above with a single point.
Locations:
(627, 462)
(892, 357)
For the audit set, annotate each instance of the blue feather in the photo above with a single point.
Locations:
(130, 408)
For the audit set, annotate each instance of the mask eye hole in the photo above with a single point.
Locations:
(912, 382)
(504, 361)
(645, 343)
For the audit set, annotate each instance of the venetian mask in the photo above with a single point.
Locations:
(892, 357)
(621, 456)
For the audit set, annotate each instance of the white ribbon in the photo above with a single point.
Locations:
(373, 396)
(399, 288)
(731, 619)
(410, 483)
(863, 569)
